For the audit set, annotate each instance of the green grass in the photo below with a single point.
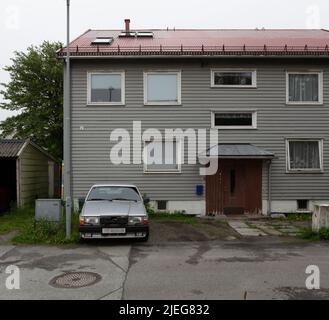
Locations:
(175, 216)
(308, 234)
(36, 232)
(299, 217)
(16, 219)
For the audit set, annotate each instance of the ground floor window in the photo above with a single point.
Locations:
(304, 155)
(162, 156)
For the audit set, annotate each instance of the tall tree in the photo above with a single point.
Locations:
(35, 90)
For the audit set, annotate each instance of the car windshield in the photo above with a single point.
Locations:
(111, 193)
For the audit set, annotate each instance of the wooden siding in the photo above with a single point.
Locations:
(34, 175)
(276, 121)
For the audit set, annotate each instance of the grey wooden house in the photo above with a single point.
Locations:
(265, 93)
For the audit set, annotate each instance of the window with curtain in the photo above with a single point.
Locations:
(304, 155)
(303, 87)
(161, 156)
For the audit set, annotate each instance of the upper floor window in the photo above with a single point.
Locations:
(233, 78)
(106, 88)
(304, 155)
(162, 156)
(162, 88)
(234, 120)
(304, 87)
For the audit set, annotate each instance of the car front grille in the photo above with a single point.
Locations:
(114, 220)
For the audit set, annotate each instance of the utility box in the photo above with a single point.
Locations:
(48, 209)
(320, 217)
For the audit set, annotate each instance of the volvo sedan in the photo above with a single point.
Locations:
(114, 211)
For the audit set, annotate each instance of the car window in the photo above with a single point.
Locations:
(114, 193)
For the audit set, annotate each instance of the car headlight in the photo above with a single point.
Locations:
(135, 220)
(89, 220)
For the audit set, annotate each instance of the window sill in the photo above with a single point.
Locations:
(304, 103)
(161, 172)
(305, 171)
(233, 86)
(174, 104)
(105, 104)
(233, 128)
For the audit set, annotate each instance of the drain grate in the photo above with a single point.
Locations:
(73, 280)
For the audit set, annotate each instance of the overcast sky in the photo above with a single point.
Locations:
(26, 22)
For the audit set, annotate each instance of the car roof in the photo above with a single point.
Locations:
(114, 185)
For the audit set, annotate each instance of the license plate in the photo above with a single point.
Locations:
(114, 230)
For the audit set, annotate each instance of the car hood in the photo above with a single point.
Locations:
(113, 208)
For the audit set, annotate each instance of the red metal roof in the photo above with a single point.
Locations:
(206, 42)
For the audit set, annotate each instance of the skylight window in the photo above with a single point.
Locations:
(127, 34)
(148, 34)
(102, 40)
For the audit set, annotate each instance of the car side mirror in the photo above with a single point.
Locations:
(81, 203)
(146, 200)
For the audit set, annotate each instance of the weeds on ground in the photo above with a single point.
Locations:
(309, 234)
(31, 231)
(299, 216)
(174, 216)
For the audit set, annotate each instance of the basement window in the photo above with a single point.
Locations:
(162, 205)
(234, 120)
(302, 205)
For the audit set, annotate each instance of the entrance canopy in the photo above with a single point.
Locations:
(237, 151)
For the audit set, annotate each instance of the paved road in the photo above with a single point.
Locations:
(255, 269)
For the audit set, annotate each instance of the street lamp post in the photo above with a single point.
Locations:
(67, 129)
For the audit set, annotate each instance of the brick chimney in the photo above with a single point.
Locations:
(127, 23)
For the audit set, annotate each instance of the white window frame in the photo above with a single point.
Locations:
(301, 170)
(163, 103)
(178, 155)
(253, 78)
(254, 119)
(320, 86)
(106, 103)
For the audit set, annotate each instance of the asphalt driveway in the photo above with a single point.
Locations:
(262, 268)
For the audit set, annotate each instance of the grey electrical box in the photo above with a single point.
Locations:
(48, 209)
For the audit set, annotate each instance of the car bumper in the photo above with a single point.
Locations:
(96, 232)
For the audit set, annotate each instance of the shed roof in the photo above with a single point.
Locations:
(237, 150)
(182, 42)
(11, 147)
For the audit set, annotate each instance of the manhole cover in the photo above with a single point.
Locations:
(72, 280)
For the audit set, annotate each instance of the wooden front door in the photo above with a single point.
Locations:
(235, 188)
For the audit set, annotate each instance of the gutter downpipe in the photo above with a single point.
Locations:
(269, 204)
(67, 131)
